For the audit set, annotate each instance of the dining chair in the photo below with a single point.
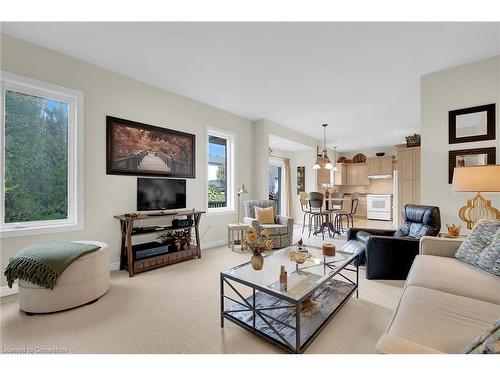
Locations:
(304, 206)
(318, 215)
(349, 215)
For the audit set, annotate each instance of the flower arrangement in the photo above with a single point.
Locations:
(255, 244)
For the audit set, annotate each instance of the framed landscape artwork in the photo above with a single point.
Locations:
(472, 124)
(470, 158)
(133, 148)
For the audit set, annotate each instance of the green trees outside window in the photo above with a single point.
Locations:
(36, 158)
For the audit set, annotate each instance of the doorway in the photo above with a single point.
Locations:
(276, 181)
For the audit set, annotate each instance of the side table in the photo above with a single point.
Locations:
(235, 234)
(446, 235)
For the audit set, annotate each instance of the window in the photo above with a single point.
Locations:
(220, 171)
(42, 175)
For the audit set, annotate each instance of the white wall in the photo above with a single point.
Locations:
(107, 93)
(459, 87)
(262, 130)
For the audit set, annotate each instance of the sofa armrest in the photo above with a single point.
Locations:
(351, 233)
(442, 247)
(283, 220)
(252, 222)
(391, 344)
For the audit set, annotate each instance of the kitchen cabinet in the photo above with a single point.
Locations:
(351, 174)
(357, 174)
(340, 176)
(378, 166)
(408, 176)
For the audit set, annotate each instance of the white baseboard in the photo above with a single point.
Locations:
(114, 266)
(217, 243)
(6, 291)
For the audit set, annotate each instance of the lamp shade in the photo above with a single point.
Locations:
(242, 190)
(484, 178)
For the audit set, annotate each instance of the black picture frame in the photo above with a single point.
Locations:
(490, 124)
(490, 153)
(180, 142)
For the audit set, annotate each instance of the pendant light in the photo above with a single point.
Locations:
(328, 164)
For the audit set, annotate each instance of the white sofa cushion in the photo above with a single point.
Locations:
(438, 320)
(454, 276)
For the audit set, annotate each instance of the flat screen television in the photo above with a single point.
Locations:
(160, 194)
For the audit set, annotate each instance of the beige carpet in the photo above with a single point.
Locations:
(175, 309)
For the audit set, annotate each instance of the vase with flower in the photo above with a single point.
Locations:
(258, 245)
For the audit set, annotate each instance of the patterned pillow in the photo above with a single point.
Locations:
(482, 247)
(487, 343)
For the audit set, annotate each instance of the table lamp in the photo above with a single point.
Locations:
(484, 178)
(241, 190)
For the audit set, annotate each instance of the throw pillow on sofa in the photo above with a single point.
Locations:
(482, 247)
(487, 343)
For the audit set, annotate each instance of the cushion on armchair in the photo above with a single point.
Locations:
(264, 215)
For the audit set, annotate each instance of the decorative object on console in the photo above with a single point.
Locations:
(453, 230)
(133, 148)
(477, 179)
(380, 154)
(413, 140)
(471, 124)
(359, 158)
(241, 190)
(132, 214)
(469, 158)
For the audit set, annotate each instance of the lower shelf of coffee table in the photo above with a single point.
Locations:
(326, 302)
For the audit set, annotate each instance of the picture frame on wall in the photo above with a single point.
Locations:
(472, 124)
(470, 158)
(134, 148)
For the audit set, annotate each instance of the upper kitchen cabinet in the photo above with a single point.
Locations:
(357, 174)
(379, 166)
(340, 175)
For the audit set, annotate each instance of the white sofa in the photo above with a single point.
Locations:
(83, 281)
(445, 304)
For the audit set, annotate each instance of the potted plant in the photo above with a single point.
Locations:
(181, 239)
(413, 140)
(258, 245)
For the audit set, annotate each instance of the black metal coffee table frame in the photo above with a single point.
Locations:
(249, 305)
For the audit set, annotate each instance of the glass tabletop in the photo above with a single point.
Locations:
(302, 278)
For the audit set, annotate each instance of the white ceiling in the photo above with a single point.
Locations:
(284, 144)
(361, 78)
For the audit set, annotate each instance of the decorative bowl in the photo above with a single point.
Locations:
(380, 154)
(298, 257)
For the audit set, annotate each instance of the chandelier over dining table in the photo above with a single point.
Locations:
(325, 160)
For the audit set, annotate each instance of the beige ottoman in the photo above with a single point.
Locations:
(84, 281)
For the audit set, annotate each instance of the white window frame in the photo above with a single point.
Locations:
(74, 98)
(230, 171)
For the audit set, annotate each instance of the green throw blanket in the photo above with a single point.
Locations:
(42, 264)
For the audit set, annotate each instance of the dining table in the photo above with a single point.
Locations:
(328, 225)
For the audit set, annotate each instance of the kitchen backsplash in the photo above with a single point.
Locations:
(377, 186)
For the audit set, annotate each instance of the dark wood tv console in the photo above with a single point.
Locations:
(128, 230)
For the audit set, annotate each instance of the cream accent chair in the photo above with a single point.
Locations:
(82, 282)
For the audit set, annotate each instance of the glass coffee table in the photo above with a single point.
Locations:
(291, 319)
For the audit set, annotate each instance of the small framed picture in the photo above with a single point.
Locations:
(470, 158)
(471, 124)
